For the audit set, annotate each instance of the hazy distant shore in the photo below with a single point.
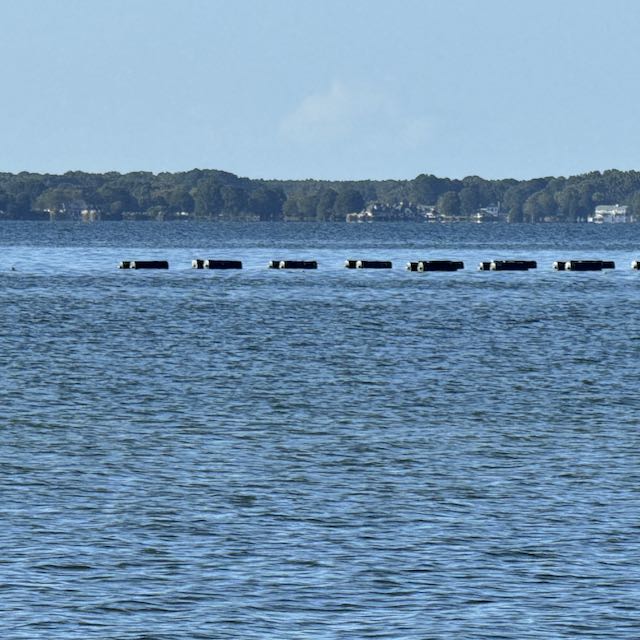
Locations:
(219, 195)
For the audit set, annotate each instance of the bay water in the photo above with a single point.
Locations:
(318, 454)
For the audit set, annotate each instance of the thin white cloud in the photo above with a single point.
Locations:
(330, 114)
(355, 115)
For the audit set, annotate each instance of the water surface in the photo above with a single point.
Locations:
(325, 454)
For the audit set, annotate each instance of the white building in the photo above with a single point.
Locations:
(487, 214)
(610, 213)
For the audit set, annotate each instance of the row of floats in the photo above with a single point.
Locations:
(420, 265)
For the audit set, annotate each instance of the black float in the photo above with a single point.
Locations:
(589, 265)
(197, 264)
(298, 264)
(148, 264)
(635, 264)
(350, 264)
(293, 264)
(222, 264)
(435, 265)
(440, 265)
(513, 265)
(484, 266)
(125, 264)
(374, 264)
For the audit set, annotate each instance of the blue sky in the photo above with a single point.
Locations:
(331, 89)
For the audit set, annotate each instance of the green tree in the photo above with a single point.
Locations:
(469, 200)
(301, 207)
(514, 199)
(19, 206)
(179, 199)
(568, 201)
(634, 206)
(54, 200)
(291, 209)
(115, 200)
(425, 189)
(448, 204)
(234, 200)
(207, 199)
(266, 203)
(348, 200)
(538, 206)
(326, 203)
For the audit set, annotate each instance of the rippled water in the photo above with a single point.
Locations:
(326, 454)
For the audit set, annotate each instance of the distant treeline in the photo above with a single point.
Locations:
(218, 195)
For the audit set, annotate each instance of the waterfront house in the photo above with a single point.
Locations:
(610, 213)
